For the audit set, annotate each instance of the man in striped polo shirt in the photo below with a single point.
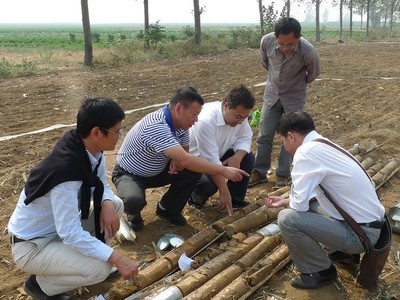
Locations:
(155, 153)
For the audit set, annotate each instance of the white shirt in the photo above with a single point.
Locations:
(57, 214)
(210, 137)
(316, 163)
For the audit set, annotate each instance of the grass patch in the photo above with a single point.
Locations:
(10, 70)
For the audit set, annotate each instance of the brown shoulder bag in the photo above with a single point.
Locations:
(375, 257)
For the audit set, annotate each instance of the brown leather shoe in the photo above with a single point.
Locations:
(282, 181)
(256, 178)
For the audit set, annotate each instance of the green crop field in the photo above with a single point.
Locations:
(124, 43)
(70, 36)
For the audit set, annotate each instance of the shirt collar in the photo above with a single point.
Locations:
(311, 136)
(94, 159)
(168, 119)
(220, 116)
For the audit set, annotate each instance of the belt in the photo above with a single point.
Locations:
(376, 224)
(14, 239)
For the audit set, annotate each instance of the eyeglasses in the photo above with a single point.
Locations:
(118, 133)
(288, 46)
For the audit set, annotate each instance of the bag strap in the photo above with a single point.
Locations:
(344, 152)
(352, 223)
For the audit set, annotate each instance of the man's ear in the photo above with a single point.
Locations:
(95, 132)
(178, 107)
(290, 136)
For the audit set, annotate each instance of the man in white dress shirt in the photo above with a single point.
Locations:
(223, 135)
(311, 220)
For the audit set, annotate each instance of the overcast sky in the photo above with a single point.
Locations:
(131, 11)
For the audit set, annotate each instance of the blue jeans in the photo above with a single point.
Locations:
(268, 124)
(206, 187)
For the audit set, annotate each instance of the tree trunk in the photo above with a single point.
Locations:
(368, 2)
(87, 34)
(146, 26)
(392, 4)
(351, 18)
(260, 12)
(197, 24)
(288, 8)
(317, 28)
(341, 20)
(385, 19)
(361, 14)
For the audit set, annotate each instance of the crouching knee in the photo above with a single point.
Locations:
(134, 203)
(100, 272)
(287, 219)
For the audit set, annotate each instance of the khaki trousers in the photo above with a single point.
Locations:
(58, 267)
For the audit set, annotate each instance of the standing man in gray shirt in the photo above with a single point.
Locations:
(292, 62)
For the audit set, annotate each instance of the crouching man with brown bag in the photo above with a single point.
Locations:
(331, 196)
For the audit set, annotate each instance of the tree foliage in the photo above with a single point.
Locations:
(271, 16)
(155, 34)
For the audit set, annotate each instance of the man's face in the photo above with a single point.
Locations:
(187, 116)
(286, 43)
(234, 116)
(109, 140)
(289, 142)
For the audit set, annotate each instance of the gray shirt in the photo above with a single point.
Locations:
(288, 76)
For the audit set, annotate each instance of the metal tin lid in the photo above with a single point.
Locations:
(169, 240)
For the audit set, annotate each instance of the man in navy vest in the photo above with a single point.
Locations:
(67, 213)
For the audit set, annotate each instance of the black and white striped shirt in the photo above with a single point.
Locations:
(141, 152)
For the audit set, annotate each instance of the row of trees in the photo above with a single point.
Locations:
(377, 12)
(88, 57)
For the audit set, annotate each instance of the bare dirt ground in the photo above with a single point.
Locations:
(355, 100)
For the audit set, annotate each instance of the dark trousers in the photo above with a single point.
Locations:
(131, 189)
(206, 187)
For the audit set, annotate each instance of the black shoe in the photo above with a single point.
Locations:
(345, 258)
(176, 219)
(194, 201)
(32, 288)
(239, 204)
(113, 274)
(135, 221)
(314, 280)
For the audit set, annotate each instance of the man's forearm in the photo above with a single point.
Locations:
(220, 182)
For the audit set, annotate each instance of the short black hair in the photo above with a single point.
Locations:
(239, 95)
(297, 121)
(288, 25)
(98, 112)
(186, 96)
